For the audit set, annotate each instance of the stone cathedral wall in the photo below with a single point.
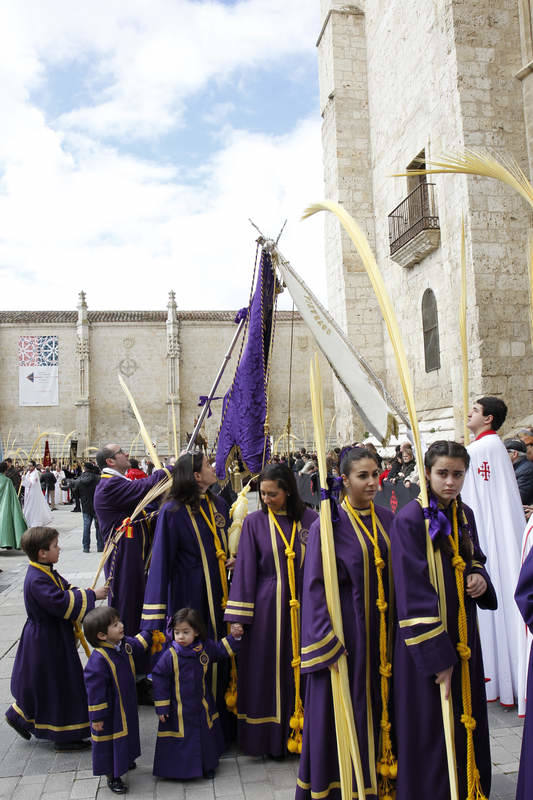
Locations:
(439, 77)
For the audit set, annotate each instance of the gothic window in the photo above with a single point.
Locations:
(430, 327)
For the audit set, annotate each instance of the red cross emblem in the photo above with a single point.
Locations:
(484, 470)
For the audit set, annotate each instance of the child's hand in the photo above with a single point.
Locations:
(236, 630)
(163, 717)
(97, 726)
(101, 593)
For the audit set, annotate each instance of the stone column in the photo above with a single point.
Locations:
(83, 409)
(173, 371)
(342, 57)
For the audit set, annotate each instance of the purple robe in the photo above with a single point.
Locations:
(190, 743)
(524, 601)
(318, 774)
(259, 599)
(110, 681)
(115, 498)
(47, 679)
(178, 579)
(426, 644)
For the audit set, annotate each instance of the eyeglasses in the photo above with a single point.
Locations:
(117, 452)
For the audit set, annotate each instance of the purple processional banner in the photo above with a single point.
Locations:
(242, 432)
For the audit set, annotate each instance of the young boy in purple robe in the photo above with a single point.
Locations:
(47, 679)
(110, 681)
(440, 579)
(190, 739)
(362, 550)
(524, 601)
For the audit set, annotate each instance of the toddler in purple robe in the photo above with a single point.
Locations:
(190, 739)
(110, 681)
(47, 679)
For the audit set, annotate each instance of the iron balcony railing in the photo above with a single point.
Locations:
(418, 212)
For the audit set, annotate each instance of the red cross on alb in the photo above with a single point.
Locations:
(484, 470)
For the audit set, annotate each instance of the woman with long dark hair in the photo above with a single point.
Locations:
(265, 598)
(362, 550)
(190, 556)
(440, 578)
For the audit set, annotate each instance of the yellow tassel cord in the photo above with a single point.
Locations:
(294, 743)
(367, 257)
(158, 640)
(387, 764)
(231, 692)
(347, 743)
(474, 790)
(462, 329)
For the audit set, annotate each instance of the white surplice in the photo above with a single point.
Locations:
(491, 490)
(36, 509)
(526, 638)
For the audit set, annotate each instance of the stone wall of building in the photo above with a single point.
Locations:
(440, 77)
(136, 345)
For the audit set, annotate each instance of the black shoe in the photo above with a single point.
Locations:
(70, 747)
(86, 551)
(75, 509)
(21, 731)
(133, 765)
(209, 774)
(116, 785)
(144, 693)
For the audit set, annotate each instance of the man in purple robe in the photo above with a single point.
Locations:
(524, 601)
(426, 645)
(115, 498)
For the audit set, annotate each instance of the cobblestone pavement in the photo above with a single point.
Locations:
(33, 770)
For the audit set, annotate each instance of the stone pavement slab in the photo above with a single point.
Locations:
(34, 771)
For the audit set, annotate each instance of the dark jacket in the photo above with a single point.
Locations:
(86, 484)
(523, 470)
(48, 480)
(14, 476)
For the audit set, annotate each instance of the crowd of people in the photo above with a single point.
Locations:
(242, 647)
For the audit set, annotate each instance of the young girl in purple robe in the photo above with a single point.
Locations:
(439, 577)
(265, 597)
(190, 739)
(47, 679)
(110, 680)
(362, 548)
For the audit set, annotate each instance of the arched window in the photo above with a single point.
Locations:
(430, 327)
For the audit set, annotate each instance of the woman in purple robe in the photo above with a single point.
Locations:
(362, 547)
(267, 580)
(190, 558)
(439, 577)
(524, 601)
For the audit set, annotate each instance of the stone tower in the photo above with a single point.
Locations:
(402, 82)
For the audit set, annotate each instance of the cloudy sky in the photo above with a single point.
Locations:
(138, 137)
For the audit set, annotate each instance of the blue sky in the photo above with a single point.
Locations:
(141, 137)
